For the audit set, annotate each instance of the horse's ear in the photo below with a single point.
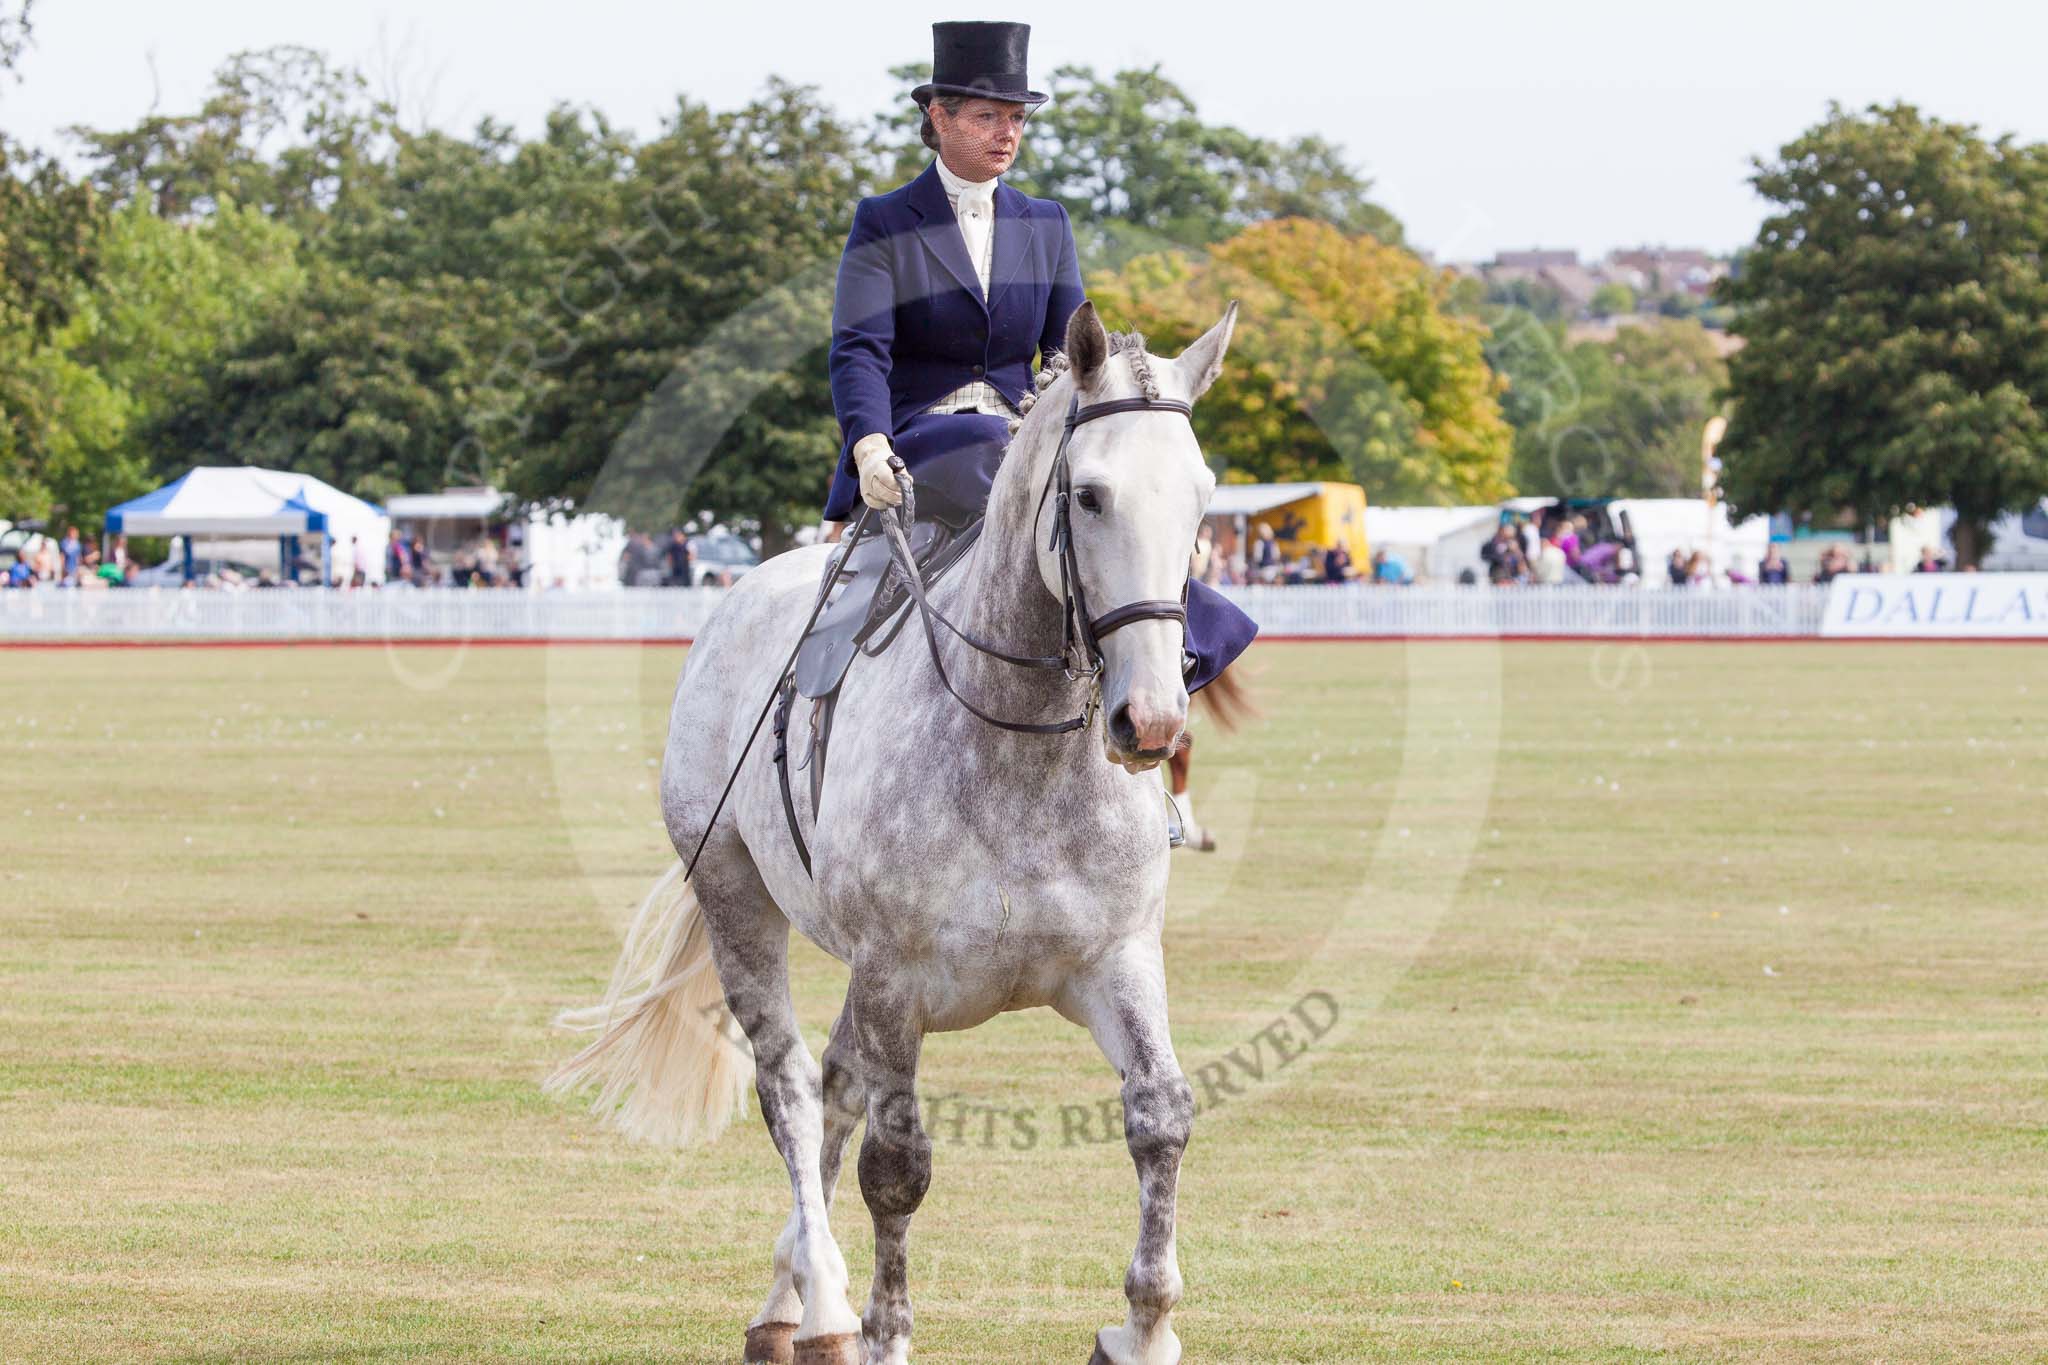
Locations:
(1087, 345)
(1203, 361)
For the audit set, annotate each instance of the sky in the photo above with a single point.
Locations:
(1588, 124)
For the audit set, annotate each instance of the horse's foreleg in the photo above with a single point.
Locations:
(1125, 1008)
(895, 1154)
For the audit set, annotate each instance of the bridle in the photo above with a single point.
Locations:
(1081, 633)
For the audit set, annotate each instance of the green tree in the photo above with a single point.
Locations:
(1892, 309)
(364, 383)
(171, 297)
(681, 372)
(1347, 363)
(1626, 420)
(49, 236)
(1612, 298)
(284, 130)
(167, 300)
(16, 32)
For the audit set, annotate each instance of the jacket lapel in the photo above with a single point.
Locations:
(940, 231)
(1013, 242)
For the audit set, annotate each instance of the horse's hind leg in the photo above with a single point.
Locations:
(1124, 1006)
(806, 1319)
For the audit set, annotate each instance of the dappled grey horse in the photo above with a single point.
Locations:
(961, 869)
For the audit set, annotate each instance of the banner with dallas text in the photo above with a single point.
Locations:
(1991, 606)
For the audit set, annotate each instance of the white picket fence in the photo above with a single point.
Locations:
(1361, 612)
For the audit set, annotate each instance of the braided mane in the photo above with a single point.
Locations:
(1130, 345)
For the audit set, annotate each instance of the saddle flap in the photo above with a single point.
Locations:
(823, 658)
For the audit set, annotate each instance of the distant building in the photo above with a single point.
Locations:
(1668, 270)
(1536, 259)
(1651, 273)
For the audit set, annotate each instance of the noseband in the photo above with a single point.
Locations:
(1081, 633)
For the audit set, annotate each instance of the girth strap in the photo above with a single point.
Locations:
(786, 699)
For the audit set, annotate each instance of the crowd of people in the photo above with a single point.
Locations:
(645, 564)
(70, 563)
(1556, 547)
(1266, 562)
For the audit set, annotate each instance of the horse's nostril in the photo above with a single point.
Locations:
(1121, 729)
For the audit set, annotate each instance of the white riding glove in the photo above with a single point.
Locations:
(877, 481)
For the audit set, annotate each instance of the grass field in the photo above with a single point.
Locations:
(1691, 1007)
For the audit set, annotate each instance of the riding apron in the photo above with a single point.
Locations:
(932, 346)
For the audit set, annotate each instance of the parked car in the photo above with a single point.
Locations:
(719, 558)
(2019, 541)
(171, 573)
(17, 539)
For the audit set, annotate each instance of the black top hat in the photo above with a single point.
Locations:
(981, 61)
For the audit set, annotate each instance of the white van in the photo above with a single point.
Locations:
(2019, 540)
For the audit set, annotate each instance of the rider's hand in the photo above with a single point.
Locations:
(877, 481)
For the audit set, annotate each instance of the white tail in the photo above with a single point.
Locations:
(670, 1066)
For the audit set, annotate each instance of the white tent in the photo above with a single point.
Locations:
(249, 502)
(1662, 525)
(1436, 543)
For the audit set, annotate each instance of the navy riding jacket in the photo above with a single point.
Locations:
(910, 325)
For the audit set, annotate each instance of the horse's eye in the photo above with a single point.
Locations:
(1089, 502)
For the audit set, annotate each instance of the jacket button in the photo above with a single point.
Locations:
(977, 371)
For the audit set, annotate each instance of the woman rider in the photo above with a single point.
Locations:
(948, 287)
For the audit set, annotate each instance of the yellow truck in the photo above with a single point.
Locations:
(1304, 516)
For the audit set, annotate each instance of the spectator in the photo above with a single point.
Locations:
(1566, 534)
(1773, 569)
(1265, 565)
(488, 565)
(1676, 568)
(641, 564)
(1930, 561)
(1699, 570)
(678, 559)
(1551, 566)
(1390, 569)
(120, 555)
(422, 567)
(73, 553)
(1834, 561)
(46, 560)
(1505, 562)
(22, 574)
(1337, 567)
(397, 558)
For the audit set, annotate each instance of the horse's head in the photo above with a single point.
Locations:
(1139, 490)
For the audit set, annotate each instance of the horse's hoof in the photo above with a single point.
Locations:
(770, 1344)
(843, 1349)
(1164, 1349)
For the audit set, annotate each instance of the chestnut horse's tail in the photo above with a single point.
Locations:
(1229, 700)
